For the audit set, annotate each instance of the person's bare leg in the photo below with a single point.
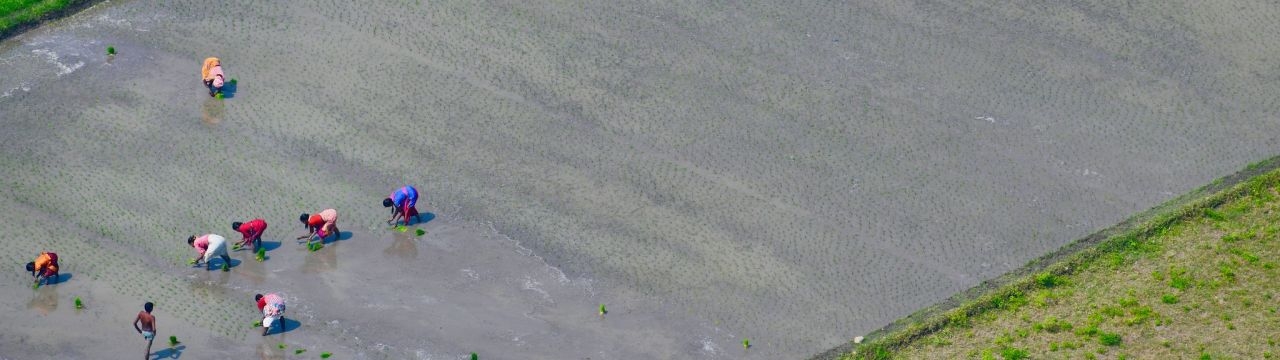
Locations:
(148, 357)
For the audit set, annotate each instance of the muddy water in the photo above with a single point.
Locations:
(794, 174)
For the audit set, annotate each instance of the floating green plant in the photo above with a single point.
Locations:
(218, 96)
(421, 232)
(191, 261)
(325, 355)
(746, 343)
(281, 346)
(257, 323)
(262, 254)
(299, 351)
(226, 267)
(111, 50)
(474, 356)
(603, 310)
(314, 246)
(402, 228)
(173, 340)
(79, 304)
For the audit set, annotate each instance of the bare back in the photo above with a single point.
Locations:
(148, 321)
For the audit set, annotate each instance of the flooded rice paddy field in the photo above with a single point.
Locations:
(796, 174)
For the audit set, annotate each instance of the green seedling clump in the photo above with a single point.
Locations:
(746, 343)
(474, 356)
(173, 340)
(218, 96)
(111, 50)
(262, 254)
(257, 323)
(603, 310)
(402, 228)
(299, 351)
(79, 304)
(226, 267)
(325, 355)
(421, 232)
(314, 246)
(281, 346)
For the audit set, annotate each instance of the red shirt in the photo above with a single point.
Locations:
(315, 221)
(253, 229)
(262, 303)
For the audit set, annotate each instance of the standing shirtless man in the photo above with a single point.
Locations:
(148, 326)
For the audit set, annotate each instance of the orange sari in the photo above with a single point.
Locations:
(209, 64)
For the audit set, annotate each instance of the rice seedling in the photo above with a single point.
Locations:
(111, 50)
(257, 323)
(218, 96)
(746, 344)
(79, 304)
(226, 267)
(299, 351)
(262, 255)
(421, 232)
(173, 341)
(325, 355)
(603, 311)
(281, 346)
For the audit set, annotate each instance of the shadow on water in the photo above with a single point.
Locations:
(169, 353)
(218, 260)
(62, 277)
(229, 89)
(342, 236)
(286, 325)
(421, 219)
(270, 245)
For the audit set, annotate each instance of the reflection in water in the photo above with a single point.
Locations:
(403, 244)
(211, 111)
(211, 283)
(270, 349)
(45, 300)
(251, 268)
(325, 259)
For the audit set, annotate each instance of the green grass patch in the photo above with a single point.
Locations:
(1210, 253)
(14, 13)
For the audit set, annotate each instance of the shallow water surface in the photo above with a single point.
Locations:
(796, 174)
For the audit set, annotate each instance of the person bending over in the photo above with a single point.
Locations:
(251, 232)
(207, 246)
(44, 269)
(319, 226)
(403, 204)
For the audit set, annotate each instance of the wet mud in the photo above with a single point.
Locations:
(796, 174)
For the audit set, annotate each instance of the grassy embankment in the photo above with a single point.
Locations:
(16, 15)
(1193, 279)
